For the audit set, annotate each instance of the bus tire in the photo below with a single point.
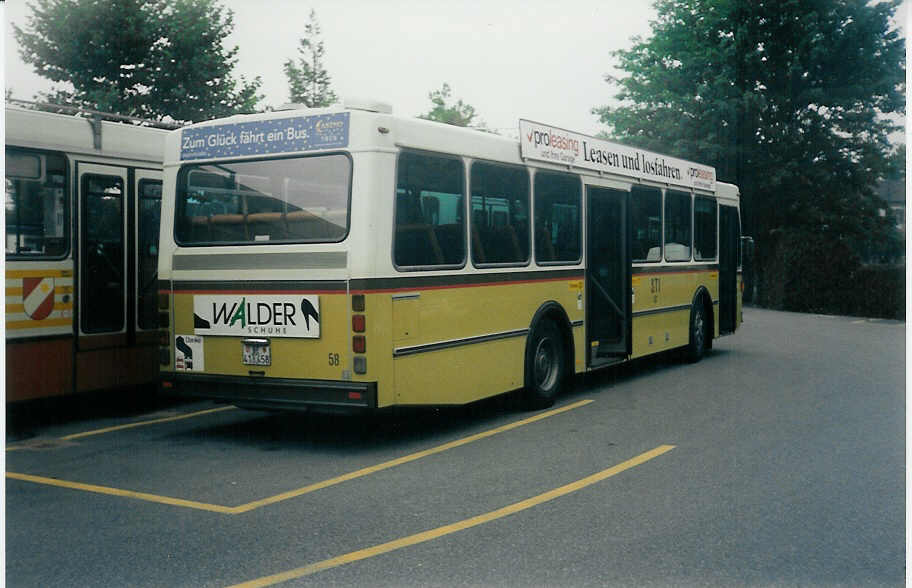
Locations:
(545, 365)
(697, 338)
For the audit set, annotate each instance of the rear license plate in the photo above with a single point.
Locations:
(256, 352)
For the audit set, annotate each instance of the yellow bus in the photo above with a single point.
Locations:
(347, 258)
(82, 206)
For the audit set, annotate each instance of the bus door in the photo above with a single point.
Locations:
(102, 274)
(729, 240)
(608, 312)
(146, 218)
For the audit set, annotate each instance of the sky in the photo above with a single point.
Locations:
(540, 60)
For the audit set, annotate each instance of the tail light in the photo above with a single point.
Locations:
(359, 325)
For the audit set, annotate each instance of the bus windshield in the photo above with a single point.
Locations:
(300, 199)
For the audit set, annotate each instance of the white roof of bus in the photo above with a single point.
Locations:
(74, 134)
(413, 133)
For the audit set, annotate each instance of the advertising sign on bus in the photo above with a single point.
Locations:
(271, 136)
(555, 145)
(293, 315)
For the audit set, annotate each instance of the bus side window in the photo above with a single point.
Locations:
(37, 214)
(430, 211)
(646, 224)
(705, 228)
(557, 217)
(678, 233)
(500, 214)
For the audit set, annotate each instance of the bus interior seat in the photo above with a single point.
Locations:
(478, 252)
(228, 227)
(451, 240)
(416, 244)
(199, 228)
(503, 246)
(544, 249)
(271, 224)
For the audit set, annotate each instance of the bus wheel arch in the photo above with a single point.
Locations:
(549, 355)
(700, 326)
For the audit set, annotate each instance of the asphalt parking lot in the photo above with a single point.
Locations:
(773, 461)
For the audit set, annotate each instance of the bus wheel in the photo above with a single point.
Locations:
(696, 346)
(545, 365)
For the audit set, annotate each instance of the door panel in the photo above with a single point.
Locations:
(102, 249)
(608, 312)
(148, 188)
(729, 241)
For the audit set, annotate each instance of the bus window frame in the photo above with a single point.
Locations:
(634, 188)
(581, 219)
(180, 202)
(693, 206)
(529, 204)
(140, 184)
(69, 233)
(690, 257)
(466, 209)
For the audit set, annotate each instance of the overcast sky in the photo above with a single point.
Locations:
(510, 59)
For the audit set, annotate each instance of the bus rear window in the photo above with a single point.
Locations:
(293, 200)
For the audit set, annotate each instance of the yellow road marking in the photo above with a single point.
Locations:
(243, 508)
(454, 527)
(405, 459)
(144, 423)
(133, 425)
(119, 492)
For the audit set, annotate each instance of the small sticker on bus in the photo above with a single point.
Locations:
(188, 353)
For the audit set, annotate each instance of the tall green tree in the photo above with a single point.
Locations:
(148, 58)
(308, 80)
(786, 98)
(446, 111)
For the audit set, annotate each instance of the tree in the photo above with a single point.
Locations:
(148, 58)
(786, 98)
(458, 114)
(308, 80)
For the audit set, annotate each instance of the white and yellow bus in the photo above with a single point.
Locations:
(347, 258)
(82, 209)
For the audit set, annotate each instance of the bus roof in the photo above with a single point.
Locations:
(356, 128)
(78, 134)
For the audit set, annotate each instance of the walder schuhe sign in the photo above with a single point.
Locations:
(554, 145)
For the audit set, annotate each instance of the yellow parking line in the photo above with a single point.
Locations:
(144, 423)
(243, 508)
(119, 492)
(405, 459)
(130, 426)
(454, 527)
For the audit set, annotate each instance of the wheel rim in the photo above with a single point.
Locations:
(545, 364)
(698, 330)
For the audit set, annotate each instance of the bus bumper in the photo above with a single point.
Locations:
(273, 393)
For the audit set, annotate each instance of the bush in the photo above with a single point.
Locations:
(811, 272)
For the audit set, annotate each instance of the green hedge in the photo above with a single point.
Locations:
(810, 273)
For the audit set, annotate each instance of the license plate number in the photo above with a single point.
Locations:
(256, 352)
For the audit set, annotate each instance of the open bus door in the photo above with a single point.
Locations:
(729, 243)
(608, 288)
